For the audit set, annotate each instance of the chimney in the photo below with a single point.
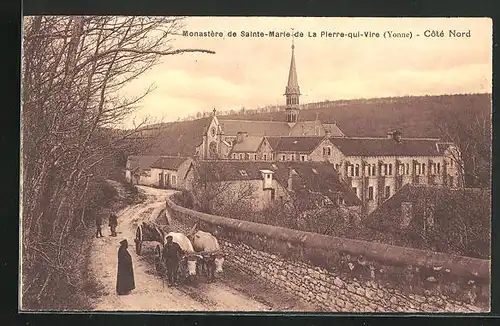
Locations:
(240, 136)
(396, 135)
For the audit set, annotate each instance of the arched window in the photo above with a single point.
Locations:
(212, 150)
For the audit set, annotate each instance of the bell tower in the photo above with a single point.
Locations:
(292, 92)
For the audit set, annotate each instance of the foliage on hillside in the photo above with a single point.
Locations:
(415, 116)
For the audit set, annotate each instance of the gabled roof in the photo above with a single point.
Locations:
(306, 128)
(248, 144)
(322, 178)
(168, 162)
(141, 162)
(298, 144)
(253, 128)
(273, 142)
(387, 147)
(333, 129)
(311, 176)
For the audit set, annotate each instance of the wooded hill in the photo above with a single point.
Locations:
(462, 119)
(415, 116)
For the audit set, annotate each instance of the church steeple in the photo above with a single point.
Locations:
(292, 91)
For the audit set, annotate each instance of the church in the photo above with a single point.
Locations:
(374, 168)
(223, 134)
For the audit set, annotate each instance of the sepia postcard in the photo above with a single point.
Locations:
(262, 164)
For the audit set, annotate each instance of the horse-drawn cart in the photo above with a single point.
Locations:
(149, 232)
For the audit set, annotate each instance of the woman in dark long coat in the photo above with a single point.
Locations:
(125, 278)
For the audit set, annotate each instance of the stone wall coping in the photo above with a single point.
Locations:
(458, 265)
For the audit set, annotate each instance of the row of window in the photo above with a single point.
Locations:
(283, 157)
(387, 192)
(386, 169)
(167, 179)
(292, 100)
(291, 157)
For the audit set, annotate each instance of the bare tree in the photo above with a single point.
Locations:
(214, 194)
(73, 71)
(472, 134)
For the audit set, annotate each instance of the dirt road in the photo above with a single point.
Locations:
(151, 293)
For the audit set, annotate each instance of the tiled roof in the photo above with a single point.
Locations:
(386, 147)
(273, 142)
(298, 144)
(306, 128)
(277, 128)
(322, 178)
(312, 176)
(333, 129)
(168, 162)
(248, 144)
(254, 128)
(142, 162)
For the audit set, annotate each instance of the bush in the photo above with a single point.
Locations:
(184, 198)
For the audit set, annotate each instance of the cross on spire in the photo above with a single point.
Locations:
(214, 111)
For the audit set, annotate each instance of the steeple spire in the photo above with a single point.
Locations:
(292, 90)
(293, 84)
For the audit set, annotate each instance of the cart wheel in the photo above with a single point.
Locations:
(138, 240)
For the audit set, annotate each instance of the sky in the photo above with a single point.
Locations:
(253, 71)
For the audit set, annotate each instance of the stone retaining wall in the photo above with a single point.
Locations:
(343, 274)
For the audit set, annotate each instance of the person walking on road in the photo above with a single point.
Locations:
(125, 276)
(113, 223)
(98, 225)
(172, 253)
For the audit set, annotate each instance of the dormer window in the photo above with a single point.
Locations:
(243, 173)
